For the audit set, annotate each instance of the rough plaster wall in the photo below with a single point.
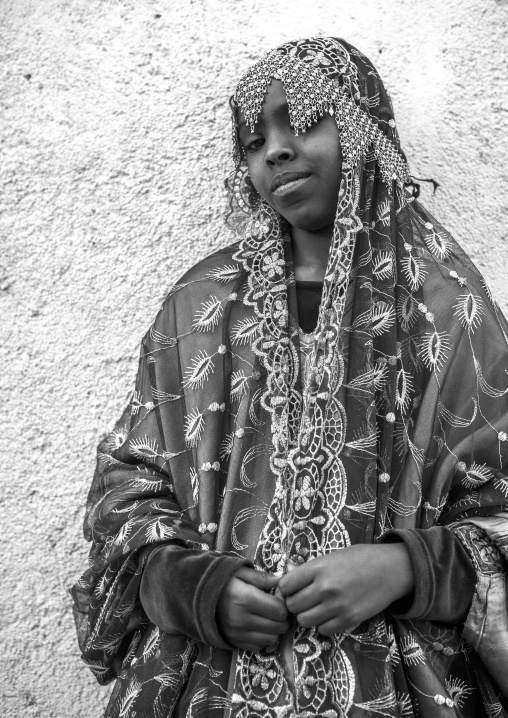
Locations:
(114, 144)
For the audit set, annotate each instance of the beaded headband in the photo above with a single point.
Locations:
(319, 77)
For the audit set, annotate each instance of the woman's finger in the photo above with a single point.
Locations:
(296, 579)
(302, 600)
(265, 605)
(315, 616)
(260, 624)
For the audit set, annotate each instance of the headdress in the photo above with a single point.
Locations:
(320, 75)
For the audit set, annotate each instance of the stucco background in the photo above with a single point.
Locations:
(114, 143)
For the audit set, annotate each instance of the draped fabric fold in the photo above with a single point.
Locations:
(486, 627)
(400, 420)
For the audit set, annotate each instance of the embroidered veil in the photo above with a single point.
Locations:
(401, 421)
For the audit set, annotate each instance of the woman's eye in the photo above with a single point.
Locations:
(253, 145)
(316, 121)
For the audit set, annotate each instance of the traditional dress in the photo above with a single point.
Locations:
(246, 442)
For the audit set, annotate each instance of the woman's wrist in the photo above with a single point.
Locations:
(399, 570)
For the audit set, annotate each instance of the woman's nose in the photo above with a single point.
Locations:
(279, 149)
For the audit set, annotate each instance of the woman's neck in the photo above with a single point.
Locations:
(310, 253)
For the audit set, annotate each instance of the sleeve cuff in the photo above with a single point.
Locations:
(180, 589)
(207, 596)
(444, 575)
(414, 605)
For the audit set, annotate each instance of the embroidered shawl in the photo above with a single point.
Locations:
(401, 422)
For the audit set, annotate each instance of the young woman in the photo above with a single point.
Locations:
(302, 510)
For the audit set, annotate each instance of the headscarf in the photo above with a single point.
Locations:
(400, 421)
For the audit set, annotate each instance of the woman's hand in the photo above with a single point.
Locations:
(338, 591)
(247, 617)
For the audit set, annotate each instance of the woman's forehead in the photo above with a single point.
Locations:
(309, 93)
(274, 103)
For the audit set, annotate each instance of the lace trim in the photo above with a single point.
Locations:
(311, 483)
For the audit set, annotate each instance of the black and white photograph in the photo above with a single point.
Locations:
(254, 339)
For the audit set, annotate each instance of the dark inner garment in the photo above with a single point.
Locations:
(308, 299)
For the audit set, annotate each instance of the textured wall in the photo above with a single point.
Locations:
(115, 142)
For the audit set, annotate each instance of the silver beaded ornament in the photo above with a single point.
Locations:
(319, 77)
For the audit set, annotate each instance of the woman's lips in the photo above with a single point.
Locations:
(289, 184)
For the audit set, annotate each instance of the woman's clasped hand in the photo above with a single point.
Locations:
(248, 616)
(334, 593)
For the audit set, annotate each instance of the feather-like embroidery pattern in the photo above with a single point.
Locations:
(403, 389)
(488, 292)
(255, 407)
(405, 705)
(145, 449)
(157, 531)
(253, 453)
(368, 378)
(117, 438)
(107, 459)
(101, 586)
(484, 384)
(207, 317)
(455, 420)
(380, 375)
(363, 320)
(151, 644)
(168, 679)
(97, 668)
(159, 338)
(226, 446)
(438, 244)
(411, 650)
(433, 350)
(457, 690)
(501, 483)
(198, 373)
(131, 694)
(244, 515)
(383, 704)
(224, 274)
(414, 269)
(176, 288)
(123, 535)
(368, 508)
(365, 258)
(407, 310)
(383, 265)
(147, 484)
(161, 396)
(238, 384)
(243, 331)
(384, 213)
(476, 475)
(194, 478)
(194, 425)
(383, 317)
(470, 310)
(111, 643)
(364, 443)
(124, 609)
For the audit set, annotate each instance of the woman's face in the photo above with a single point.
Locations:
(299, 176)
